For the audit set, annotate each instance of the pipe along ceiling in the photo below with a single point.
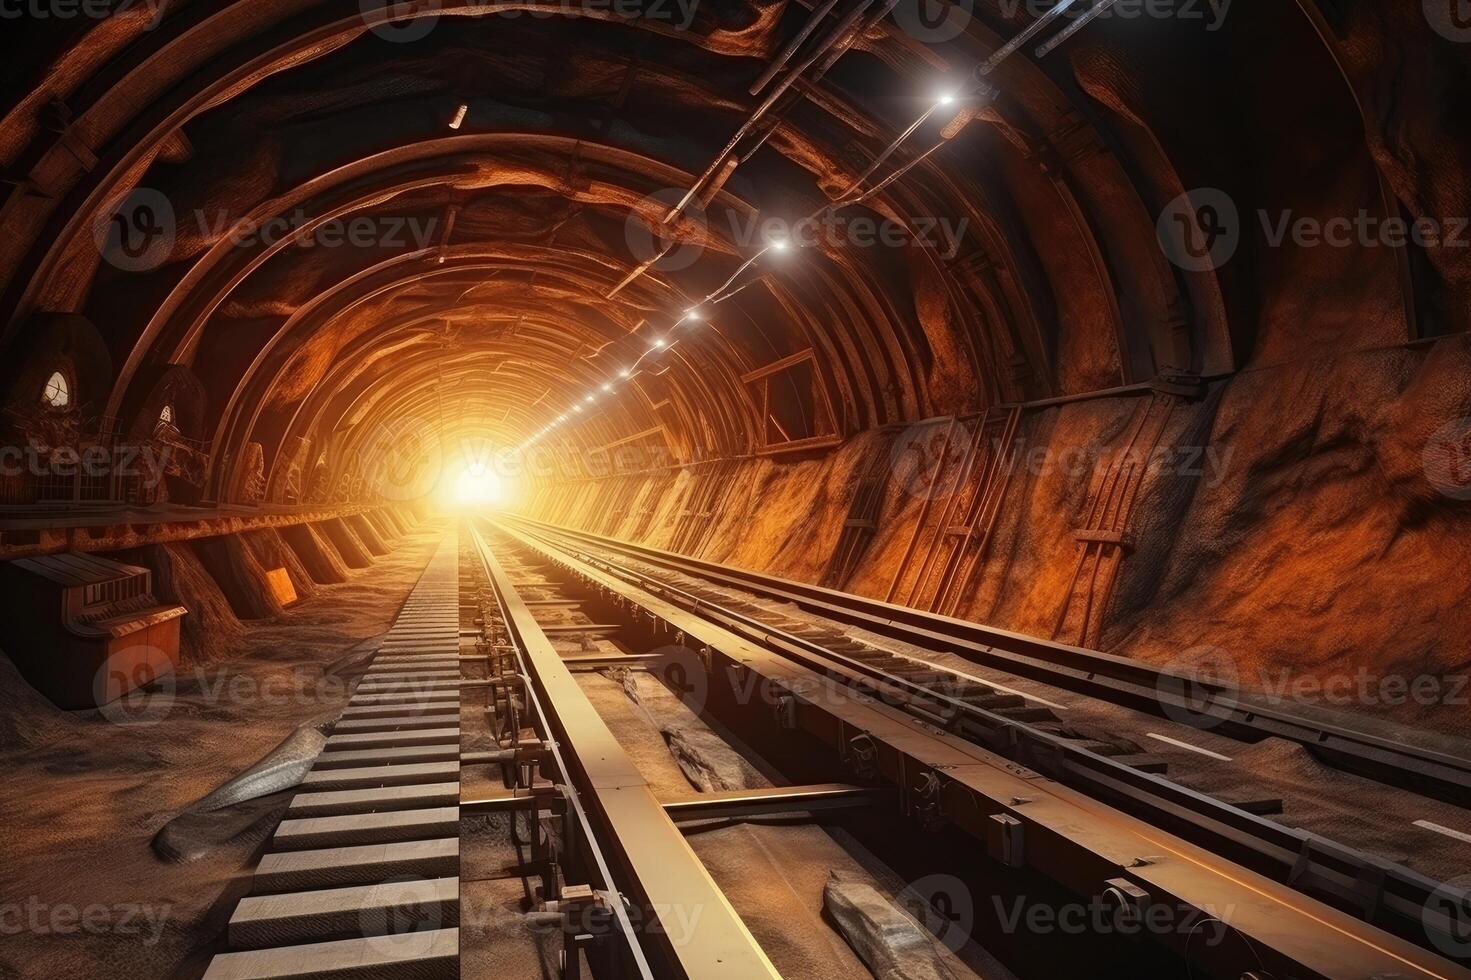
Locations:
(336, 240)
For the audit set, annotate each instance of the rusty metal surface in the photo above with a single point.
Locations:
(663, 867)
(1130, 683)
(772, 800)
(1083, 844)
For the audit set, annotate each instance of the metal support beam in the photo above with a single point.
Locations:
(1085, 845)
(659, 867)
(773, 800)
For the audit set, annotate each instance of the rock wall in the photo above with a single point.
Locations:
(1306, 521)
(316, 553)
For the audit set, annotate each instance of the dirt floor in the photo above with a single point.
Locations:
(82, 892)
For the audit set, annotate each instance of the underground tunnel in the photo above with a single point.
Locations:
(723, 489)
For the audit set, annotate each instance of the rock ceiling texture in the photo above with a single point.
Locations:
(513, 167)
(502, 250)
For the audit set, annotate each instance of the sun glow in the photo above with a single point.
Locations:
(478, 486)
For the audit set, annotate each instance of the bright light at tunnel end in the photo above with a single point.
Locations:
(475, 485)
(478, 486)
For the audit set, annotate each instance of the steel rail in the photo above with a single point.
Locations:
(1128, 683)
(589, 839)
(1375, 889)
(1079, 838)
(660, 868)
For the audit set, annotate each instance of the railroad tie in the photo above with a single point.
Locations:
(362, 875)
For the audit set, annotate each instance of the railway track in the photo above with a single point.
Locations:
(365, 875)
(1128, 683)
(371, 842)
(470, 722)
(1375, 894)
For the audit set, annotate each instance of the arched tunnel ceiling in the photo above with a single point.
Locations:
(345, 251)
